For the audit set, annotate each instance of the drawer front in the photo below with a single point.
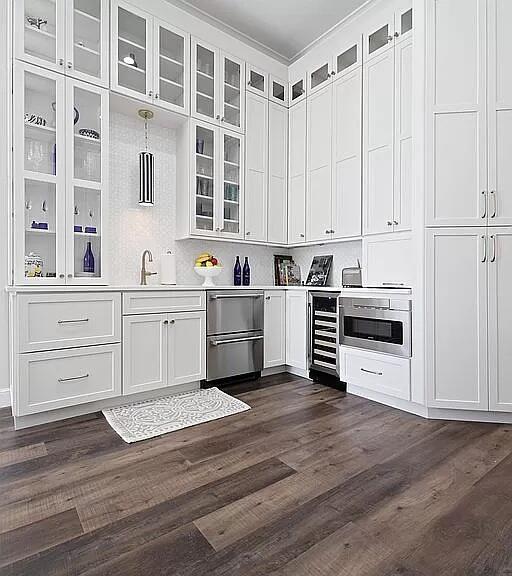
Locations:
(50, 380)
(158, 302)
(56, 321)
(378, 372)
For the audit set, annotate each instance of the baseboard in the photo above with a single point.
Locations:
(298, 372)
(273, 370)
(469, 415)
(398, 403)
(5, 398)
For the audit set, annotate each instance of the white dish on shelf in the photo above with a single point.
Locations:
(208, 273)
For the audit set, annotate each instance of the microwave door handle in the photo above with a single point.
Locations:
(235, 340)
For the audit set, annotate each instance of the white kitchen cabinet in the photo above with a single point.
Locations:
(298, 89)
(161, 350)
(275, 328)
(500, 318)
(319, 163)
(296, 330)
(150, 58)
(347, 59)
(297, 173)
(278, 91)
(388, 260)
(217, 184)
(277, 174)
(320, 76)
(60, 177)
(256, 168)
(457, 264)
(65, 36)
(257, 80)
(218, 89)
(388, 26)
(346, 161)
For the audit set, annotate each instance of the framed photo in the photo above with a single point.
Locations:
(280, 262)
(319, 271)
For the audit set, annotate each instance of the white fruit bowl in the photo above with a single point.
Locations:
(208, 273)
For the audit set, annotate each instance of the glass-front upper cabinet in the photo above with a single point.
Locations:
(231, 208)
(233, 93)
(403, 20)
(87, 176)
(278, 91)
(205, 176)
(347, 59)
(69, 36)
(319, 76)
(204, 82)
(298, 89)
(257, 80)
(131, 51)
(39, 175)
(172, 73)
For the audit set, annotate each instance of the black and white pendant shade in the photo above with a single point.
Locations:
(147, 178)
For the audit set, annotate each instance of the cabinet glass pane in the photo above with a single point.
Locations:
(231, 184)
(40, 135)
(87, 37)
(40, 222)
(297, 90)
(40, 29)
(131, 46)
(278, 91)
(205, 174)
(347, 59)
(257, 81)
(232, 82)
(320, 75)
(87, 135)
(378, 39)
(406, 21)
(87, 229)
(205, 81)
(172, 67)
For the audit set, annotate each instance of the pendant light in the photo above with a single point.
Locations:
(146, 166)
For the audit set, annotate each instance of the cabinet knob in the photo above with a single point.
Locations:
(61, 276)
(249, 83)
(267, 297)
(166, 321)
(327, 231)
(397, 34)
(172, 321)
(157, 96)
(70, 275)
(70, 65)
(222, 119)
(247, 233)
(390, 38)
(61, 61)
(150, 93)
(395, 222)
(333, 73)
(302, 235)
(390, 223)
(217, 117)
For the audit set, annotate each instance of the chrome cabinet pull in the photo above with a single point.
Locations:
(73, 321)
(393, 284)
(484, 197)
(371, 372)
(484, 246)
(493, 257)
(73, 378)
(494, 204)
(235, 340)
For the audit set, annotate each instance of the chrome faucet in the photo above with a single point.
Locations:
(143, 272)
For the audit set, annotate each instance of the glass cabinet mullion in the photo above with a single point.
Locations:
(231, 183)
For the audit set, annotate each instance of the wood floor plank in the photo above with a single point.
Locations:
(38, 536)
(16, 455)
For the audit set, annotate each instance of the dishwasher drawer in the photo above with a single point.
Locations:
(231, 311)
(234, 354)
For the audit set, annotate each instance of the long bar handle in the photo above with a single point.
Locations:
(493, 257)
(484, 197)
(73, 378)
(484, 245)
(371, 372)
(73, 321)
(494, 204)
(234, 340)
(222, 296)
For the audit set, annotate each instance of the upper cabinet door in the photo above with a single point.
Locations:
(232, 93)
(231, 198)
(205, 71)
(131, 51)
(348, 59)
(40, 28)
(277, 172)
(457, 151)
(403, 21)
(500, 112)
(88, 40)
(297, 174)
(298, 89)
(204, 176)
(172, 61)
(278, 91)
(379, 35)
(257, 80)
(320, 76)
(347, 126)
(378, 139)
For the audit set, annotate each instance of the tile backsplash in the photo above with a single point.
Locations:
(134, 228)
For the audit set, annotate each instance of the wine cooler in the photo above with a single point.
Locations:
(323, 337)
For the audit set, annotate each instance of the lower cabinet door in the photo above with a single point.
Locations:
(275, 329)
(186, 347)
(296, 329)
(61, 378)
(144, 352)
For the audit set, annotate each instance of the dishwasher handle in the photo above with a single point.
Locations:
(235, 340)
(223, 296)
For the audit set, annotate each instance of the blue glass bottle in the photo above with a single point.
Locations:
(237, 273)
(246, 273)
(89, 259)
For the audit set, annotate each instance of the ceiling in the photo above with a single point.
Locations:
(283, 27)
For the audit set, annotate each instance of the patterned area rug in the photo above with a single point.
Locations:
(143, 420)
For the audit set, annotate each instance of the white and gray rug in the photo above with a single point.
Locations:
(143, 420)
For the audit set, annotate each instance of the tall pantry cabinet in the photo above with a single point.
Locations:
(469, 204)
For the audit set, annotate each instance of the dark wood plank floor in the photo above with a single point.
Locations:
(308, 483)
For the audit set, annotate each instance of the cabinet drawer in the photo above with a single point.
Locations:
(50, 380)
(158, 302)
(378, 372)
(55, 321)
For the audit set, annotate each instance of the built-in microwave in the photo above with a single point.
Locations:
(378, 324)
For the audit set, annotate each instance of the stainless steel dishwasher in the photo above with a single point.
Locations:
(234, 343)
